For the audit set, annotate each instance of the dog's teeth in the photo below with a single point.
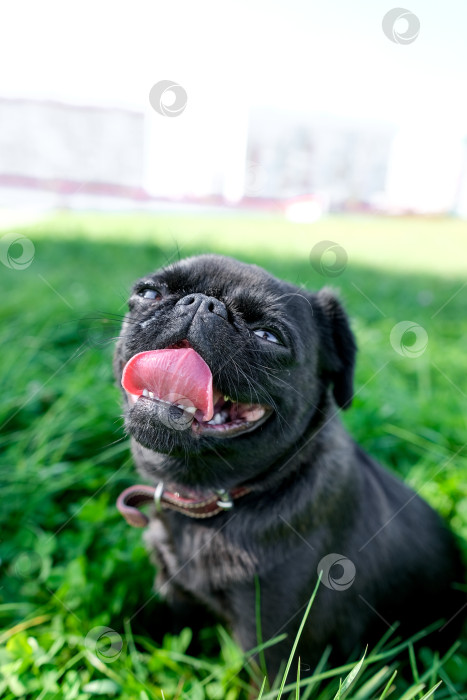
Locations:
(218, 418)
(256, 413)
(189, 409)
(151, 394)
(145, 392)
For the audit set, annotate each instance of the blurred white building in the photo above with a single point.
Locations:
(56, 155)
(342, 161)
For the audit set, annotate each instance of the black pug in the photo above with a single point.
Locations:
(233, 381)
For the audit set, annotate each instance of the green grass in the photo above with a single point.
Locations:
(70, 565)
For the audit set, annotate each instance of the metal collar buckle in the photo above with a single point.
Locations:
(159, 490)
(225, 500)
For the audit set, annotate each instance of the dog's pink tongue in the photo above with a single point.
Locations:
(179, 376)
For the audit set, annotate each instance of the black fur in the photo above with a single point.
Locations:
(314, 491)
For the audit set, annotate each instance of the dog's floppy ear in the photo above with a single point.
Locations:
(338, 347)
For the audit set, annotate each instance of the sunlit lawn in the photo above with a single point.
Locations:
(70, 564)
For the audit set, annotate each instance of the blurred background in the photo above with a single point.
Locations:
(325, 141)
(301, 108)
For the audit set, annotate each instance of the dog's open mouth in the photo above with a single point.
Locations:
(179, 382)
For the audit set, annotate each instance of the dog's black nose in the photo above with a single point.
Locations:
(200, 303)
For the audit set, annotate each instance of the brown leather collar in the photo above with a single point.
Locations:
(132, 498)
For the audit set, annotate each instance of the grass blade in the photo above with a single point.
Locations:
(262, 689)
(430, 692)
(297, 689)
(259, 630)
(350, 678)
(369, 688)
(314, 681)
(413, 664)
(295, 644)
(412, 692)
(388, 686)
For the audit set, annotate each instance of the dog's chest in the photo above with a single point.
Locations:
(197, 557)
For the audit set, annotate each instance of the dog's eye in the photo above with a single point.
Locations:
(266, 335)
(148, 293)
